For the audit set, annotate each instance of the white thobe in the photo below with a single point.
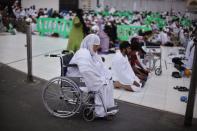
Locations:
(190, 58)
(189, 45)
(96, 77)
(122, 70)
(182, 37)
(163, 38)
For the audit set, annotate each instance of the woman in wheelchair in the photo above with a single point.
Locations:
(96, 76)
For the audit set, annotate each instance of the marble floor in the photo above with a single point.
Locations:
(157, 93)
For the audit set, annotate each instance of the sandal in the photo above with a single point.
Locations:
(176, 87)
(181, 88)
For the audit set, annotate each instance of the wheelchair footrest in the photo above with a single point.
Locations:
(112, 110)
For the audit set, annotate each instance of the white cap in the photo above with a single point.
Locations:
(95, 28)
(28, 20)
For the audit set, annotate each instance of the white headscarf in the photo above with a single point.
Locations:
(89, 41)
(88, 60)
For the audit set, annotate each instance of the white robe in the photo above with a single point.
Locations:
(189, 63)
(122, 70)
(189, 45)
(163, 37)
(182, 37)
(96, 77)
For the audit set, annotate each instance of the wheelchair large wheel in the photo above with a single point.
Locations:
(62, 97)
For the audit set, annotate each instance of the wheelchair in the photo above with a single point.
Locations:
(151, 54)
(66, 96)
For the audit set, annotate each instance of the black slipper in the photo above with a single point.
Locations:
(183, 89)
(176, 87)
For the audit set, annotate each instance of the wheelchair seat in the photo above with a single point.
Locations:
(65, 60)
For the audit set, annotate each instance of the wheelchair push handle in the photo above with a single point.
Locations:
(65, 51)
(72, 65)
(52, 55)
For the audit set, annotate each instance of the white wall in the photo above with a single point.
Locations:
(139, 5)
(41, 4)
(87, 3)
(150, 5)
(55, 3)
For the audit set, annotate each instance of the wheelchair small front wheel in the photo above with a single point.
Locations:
(158, 71)
(88, 114)
(110, 117)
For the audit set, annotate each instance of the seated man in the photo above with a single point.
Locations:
(96, 76)
(190, 54)
(163, 36)
(2, 27)
(122, 71)
(138, 69)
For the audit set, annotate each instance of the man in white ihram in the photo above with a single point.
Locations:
(189, 54)
(96, 76)
(123, 74)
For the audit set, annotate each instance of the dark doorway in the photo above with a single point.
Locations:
(68, 5)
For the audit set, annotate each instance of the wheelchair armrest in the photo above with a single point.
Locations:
(53, 55)
(71, 65)
(65, 51)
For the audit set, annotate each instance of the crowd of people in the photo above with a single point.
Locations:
(167, 28)
(127, 68)
(13, 13)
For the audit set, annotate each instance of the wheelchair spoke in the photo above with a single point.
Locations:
(51, 98)
(52, 103)
(65, 89)
(52, 93)
(57, 105)
(61, 105)
(71, 101)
